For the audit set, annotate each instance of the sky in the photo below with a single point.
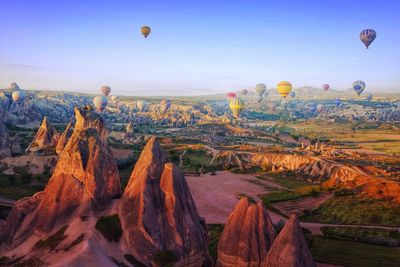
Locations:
(197, 46)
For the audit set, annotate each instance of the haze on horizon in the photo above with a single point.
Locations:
(197, 47)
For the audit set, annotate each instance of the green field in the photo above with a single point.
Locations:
(355, 209)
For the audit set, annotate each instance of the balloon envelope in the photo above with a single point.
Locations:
(359, 86)
(325, 87)
(141, 105)
(236, 105)
(338, 102)
(260, 88)
(284, 88)
(367, 36)
(105, 90)
(145, 30)
(230, 96)
(292, 94)
(244, 92)
(18, 96)
(369, 97)
(100, 102)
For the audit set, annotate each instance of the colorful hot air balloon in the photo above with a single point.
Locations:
(165, 104)
(18, 96)
(292, 94)
(141, 105)
(367, 36)
(105, 90)
(236, 105)
(338, 102)
(369, 97)
(260, 89)
(284, 88)
(145, 30)
(230, 96)
(359, 86)
(325, 86)
(244, 92)
(100, 102)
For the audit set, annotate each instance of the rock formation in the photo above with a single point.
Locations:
(158, 214)
(129, 134)
(247, 236)
(290, 248)
(16, 145)
(85, 179)
(4, 138)
(64, 138)
(45, 139)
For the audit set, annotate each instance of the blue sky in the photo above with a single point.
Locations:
(197, 47)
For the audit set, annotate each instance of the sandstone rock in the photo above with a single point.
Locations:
(247, 236)
(16, 145)
(85, 179)
(4, 139)
(45, 139)
(64, 138)
(290, 248)
(158, 213)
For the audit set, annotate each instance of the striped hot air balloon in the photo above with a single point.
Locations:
(260, 89)
(230, 96)
(359, 86)
(18, 96)
(105, 90)
(100, 102)
(367, 36)
(236, 105)
(284, 88)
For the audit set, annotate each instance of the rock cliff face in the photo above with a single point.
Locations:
(64, 138)
(290, 249)
(247, 237)
(45, 139)
(4, 139)
(16, 145)
(85, 179)
(158, 214)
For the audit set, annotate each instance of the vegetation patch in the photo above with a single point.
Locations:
(52, 241)
(78, 240)
(375, 236)
(214, 233)
(110, 227)
(165, 258)
(352, 254)
(353, 209)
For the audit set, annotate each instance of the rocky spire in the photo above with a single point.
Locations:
(64, 138)
(45, 139)
(247, 236)
(290, 248)
(4, 138)
(85, 179)
(158, 213)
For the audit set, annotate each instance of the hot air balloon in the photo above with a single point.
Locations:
(244, 92)
(105, 90)
(100, 102)
(369, 97)
(230, 96)
(292, 94)
(338, 102)
(284, 88)
(320, 107)
(325, 86)
(141, 105)
(313, 107)
(359, 86)
(145, 30)
(260, 89)
(236, 105)
(18, 96)
(367, 36)
(165, 105)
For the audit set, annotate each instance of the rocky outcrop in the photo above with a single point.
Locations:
(158, 213)
(129, 136)
(85, 179)
(4, 139)
(290, 248)
(45, 140)
(247, 237)
(64, 138)
(16, 145)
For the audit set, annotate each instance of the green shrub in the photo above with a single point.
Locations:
(52, 241)
(165, 258)
(110, 227)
